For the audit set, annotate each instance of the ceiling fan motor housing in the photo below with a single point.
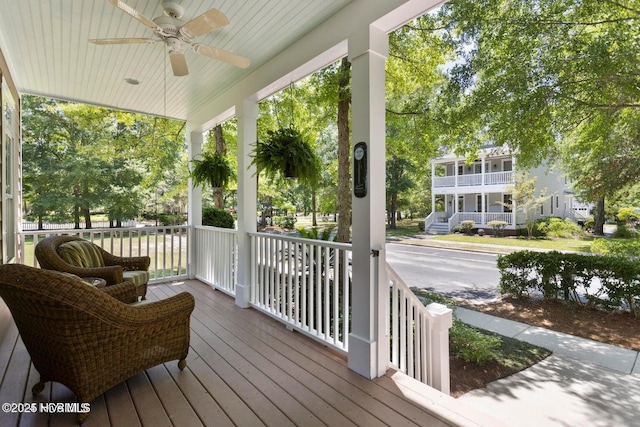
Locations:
(173, 9)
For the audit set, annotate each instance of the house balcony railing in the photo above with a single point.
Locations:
(475, 179)
(303, 283)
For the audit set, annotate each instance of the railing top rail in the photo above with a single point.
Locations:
(391, 273)
(325, 243)
(99, 230)
(218, 229)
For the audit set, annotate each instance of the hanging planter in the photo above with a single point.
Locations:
(287, 153)
(213, 169)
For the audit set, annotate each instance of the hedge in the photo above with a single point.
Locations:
(215, 217)
(564, 276)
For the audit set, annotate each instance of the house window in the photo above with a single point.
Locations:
(557, 201)
(507, 165)
(506, 203)
(460, 203)
(551, 200)
(478, 167)
(460, 170)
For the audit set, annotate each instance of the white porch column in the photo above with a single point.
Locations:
(369, 341)
(247, 115)
(433, 187)
(194, 195)
(455, 173)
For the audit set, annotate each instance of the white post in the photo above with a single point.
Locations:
(442, 320)
(247, 115)
(433, 187)
(194, 195)
(369, 341)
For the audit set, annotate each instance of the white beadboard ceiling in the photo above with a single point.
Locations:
(45, 43)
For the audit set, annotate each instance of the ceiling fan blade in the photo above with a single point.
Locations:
(221, 55)
(134, 13)
(178, 63)
(208, 21)
(123, 41)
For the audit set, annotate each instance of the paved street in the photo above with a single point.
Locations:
(468, 275)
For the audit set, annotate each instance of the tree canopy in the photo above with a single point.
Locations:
(81, 159)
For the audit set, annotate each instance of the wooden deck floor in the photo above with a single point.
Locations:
(243, 369)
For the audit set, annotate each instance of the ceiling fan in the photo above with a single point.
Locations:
(176, 35)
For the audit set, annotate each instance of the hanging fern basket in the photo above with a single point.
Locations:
(287, 153)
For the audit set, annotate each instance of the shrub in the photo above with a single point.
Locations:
(465, 342)
(558, 275)
(467, 226)
(171, 219)
(421, 226)
(286, 222)
(498, 227)
(215, 217)
(623, 232)
(471, 345)
(590, 224)
(629, 248)
(562, 228)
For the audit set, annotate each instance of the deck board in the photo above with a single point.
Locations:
(243, 368)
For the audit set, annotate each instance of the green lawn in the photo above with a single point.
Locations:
(580, 245)
(405, 227)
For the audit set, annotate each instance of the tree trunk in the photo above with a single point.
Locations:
(392, 211)
(599, 220)
(76, 206)
(218, 197)
(314, 208)
(344, 153)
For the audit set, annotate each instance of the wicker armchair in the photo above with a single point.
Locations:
(109, 267)
(83, 338)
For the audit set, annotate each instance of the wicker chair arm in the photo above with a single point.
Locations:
(127, 263)
(175, 307)
(125, 292)
(112, 273)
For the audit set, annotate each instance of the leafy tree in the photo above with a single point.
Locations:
(80, 159)
(524, 198)
(398, 180)
(550, 79)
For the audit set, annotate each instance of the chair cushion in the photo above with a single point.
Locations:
(81, 253)
(138, 277)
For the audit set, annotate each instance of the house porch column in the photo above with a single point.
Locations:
(247, 115)
(433, 193)
(368, 340)
(194, 194)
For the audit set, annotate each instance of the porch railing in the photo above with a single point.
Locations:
(430, 219)
(419, 335)
(453, 220)
(166, 246)
(470, 216)
(304, 283)
(470, 179)
(499, 216)
(444, 181)
(498, 178)
(215, 257)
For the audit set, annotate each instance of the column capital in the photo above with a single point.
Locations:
(370, 40)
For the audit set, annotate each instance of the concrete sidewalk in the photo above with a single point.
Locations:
(583, 383)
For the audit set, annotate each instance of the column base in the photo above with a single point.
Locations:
(362, 358)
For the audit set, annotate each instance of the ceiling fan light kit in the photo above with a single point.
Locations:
(176, 35)
(173, 9)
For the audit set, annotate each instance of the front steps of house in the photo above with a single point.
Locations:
(438, 228)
